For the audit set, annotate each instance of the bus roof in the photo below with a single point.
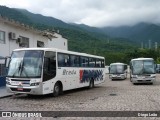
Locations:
(61, 51)
(142, 59)
(118, 63)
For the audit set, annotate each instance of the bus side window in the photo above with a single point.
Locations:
(102, 63)
(74, 61)
(98, 63)
(84, 61)
(92, 62)
(63, 60)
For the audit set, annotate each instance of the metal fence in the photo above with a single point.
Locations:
(2, 70)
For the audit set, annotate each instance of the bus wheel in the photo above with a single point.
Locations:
(151, 83)
(130, 79)
(29, 95)
(57, 89)
(91, 84)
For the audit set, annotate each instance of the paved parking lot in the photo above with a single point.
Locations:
(120, 95)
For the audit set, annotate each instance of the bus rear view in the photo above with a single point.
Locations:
(142, 70)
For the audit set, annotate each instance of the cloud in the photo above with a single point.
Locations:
(97, 13)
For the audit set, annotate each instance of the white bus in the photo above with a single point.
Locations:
(118, 71)
(142, 70)
(47, 70)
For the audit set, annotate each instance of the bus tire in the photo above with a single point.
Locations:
(91, 84)
(29, 95)
(130, 79)
(151, 83)
(57, 89)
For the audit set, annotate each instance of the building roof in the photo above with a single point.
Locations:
(12, 22)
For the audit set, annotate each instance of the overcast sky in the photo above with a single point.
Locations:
(98, 13)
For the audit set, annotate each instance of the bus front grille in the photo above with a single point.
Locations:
(20, 80)
(22, 90)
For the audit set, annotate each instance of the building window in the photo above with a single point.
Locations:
(2, 37)
(23, 42)
(40, 44)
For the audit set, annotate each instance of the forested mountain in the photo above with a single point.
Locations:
(82, 38)
(141, 32)
(75, 33)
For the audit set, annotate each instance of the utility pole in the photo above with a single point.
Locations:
(149, 44)
(156, 46)
(108, 40)
(142, 45)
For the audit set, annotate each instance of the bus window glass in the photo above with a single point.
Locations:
(120, 69)
(74, 60)
(137, 67)
(102, 64)
(113, 69)
(26, 64)
(149, 67)
(63, 60)
(84, 61)
(49, 71)
(92, 62)
(98, 63)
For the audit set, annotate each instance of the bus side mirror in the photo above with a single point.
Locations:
(131, 66)
(7, 61)
(109, 69)
(156, 65)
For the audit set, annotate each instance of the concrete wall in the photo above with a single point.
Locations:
(58, 42)
(9, 45)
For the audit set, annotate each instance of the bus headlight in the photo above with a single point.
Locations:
(34, 84)
(153, 76)
(8, 81)
(134, 76)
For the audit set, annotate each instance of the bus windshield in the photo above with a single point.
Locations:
(143, 67)
(116, 69)
(26, 64)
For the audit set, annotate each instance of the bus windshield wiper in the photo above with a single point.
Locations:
(23, 70)
(17, 70)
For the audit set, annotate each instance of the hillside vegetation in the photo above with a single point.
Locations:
(81, 38)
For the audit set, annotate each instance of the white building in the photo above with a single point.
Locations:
(14, 35)
(58, 42)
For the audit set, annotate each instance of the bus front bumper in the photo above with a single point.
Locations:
(114, 77)
(143, 80)
(34, 90)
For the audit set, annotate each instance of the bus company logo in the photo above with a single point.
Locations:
(20, 83)
(81, 74)
(69, 72)
(87, 75)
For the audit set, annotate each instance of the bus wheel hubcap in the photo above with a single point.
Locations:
(57, 88)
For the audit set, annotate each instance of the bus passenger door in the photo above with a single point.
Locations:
(49, 72)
